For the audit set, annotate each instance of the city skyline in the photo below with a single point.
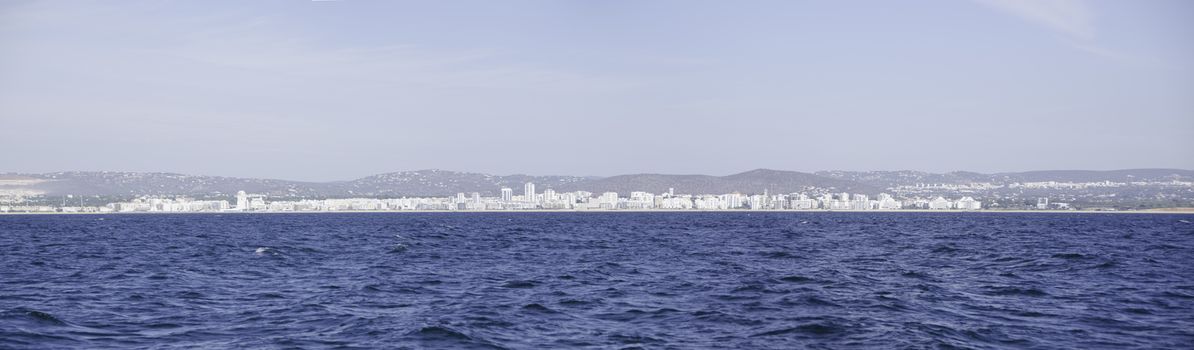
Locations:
(760, 190)
(332, 90)
(550, 200)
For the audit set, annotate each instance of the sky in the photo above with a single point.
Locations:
(337, 90)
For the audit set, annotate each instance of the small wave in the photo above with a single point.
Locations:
(634, 314)
(635, 339)
(444, 337)
(579, 302)
(166, 325)
(269, 295)
(812, 300)
(817, 329)
(190, 295)
(721, 317)
(45, 317)
(519, 284)
(915, 274)
(1070, 256)
(797, 279)
(1170, 294)
(373, 287)
(483, 322)
(1162, 246)
(1008, 291)
(779, 255)
(753, 288)
(1138, 311)
(1031, 314)
(437, 332)
(538, 308)
(944, 249)
(807, 301)
(35, 316)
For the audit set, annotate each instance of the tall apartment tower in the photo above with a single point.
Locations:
(528, 191)
(242, 200)
(507, 195)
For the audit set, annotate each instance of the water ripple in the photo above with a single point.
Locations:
(597, 280)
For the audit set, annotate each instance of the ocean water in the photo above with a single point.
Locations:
(597, 280)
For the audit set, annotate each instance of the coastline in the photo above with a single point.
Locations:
(742, 211)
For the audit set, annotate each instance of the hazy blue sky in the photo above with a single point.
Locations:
(341, 89)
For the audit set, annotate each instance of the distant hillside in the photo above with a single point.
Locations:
(1126, 175)
(444, 183)
(109, 183)
(407, 183)
(885, 179)
(754, 181)
(441, 183)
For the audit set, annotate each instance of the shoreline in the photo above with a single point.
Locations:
(742, 211)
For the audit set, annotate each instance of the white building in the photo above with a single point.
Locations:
(940, 203)
(860, 202)
(671, 202)
(709, 202)
(802, 201)
(242, 200)
(528, 192)
(887, 202)
(641, 200)
(967, 203)
(608, 200)
(732, 200)
(757, 202)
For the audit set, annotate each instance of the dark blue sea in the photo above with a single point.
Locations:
(597, 280)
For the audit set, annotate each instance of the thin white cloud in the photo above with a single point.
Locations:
(1074, 20)
(1070, 17)
(268, 46)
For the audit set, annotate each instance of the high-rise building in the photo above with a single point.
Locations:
(507, 195)
(609, 200)
(528, 191)
(242, 200)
